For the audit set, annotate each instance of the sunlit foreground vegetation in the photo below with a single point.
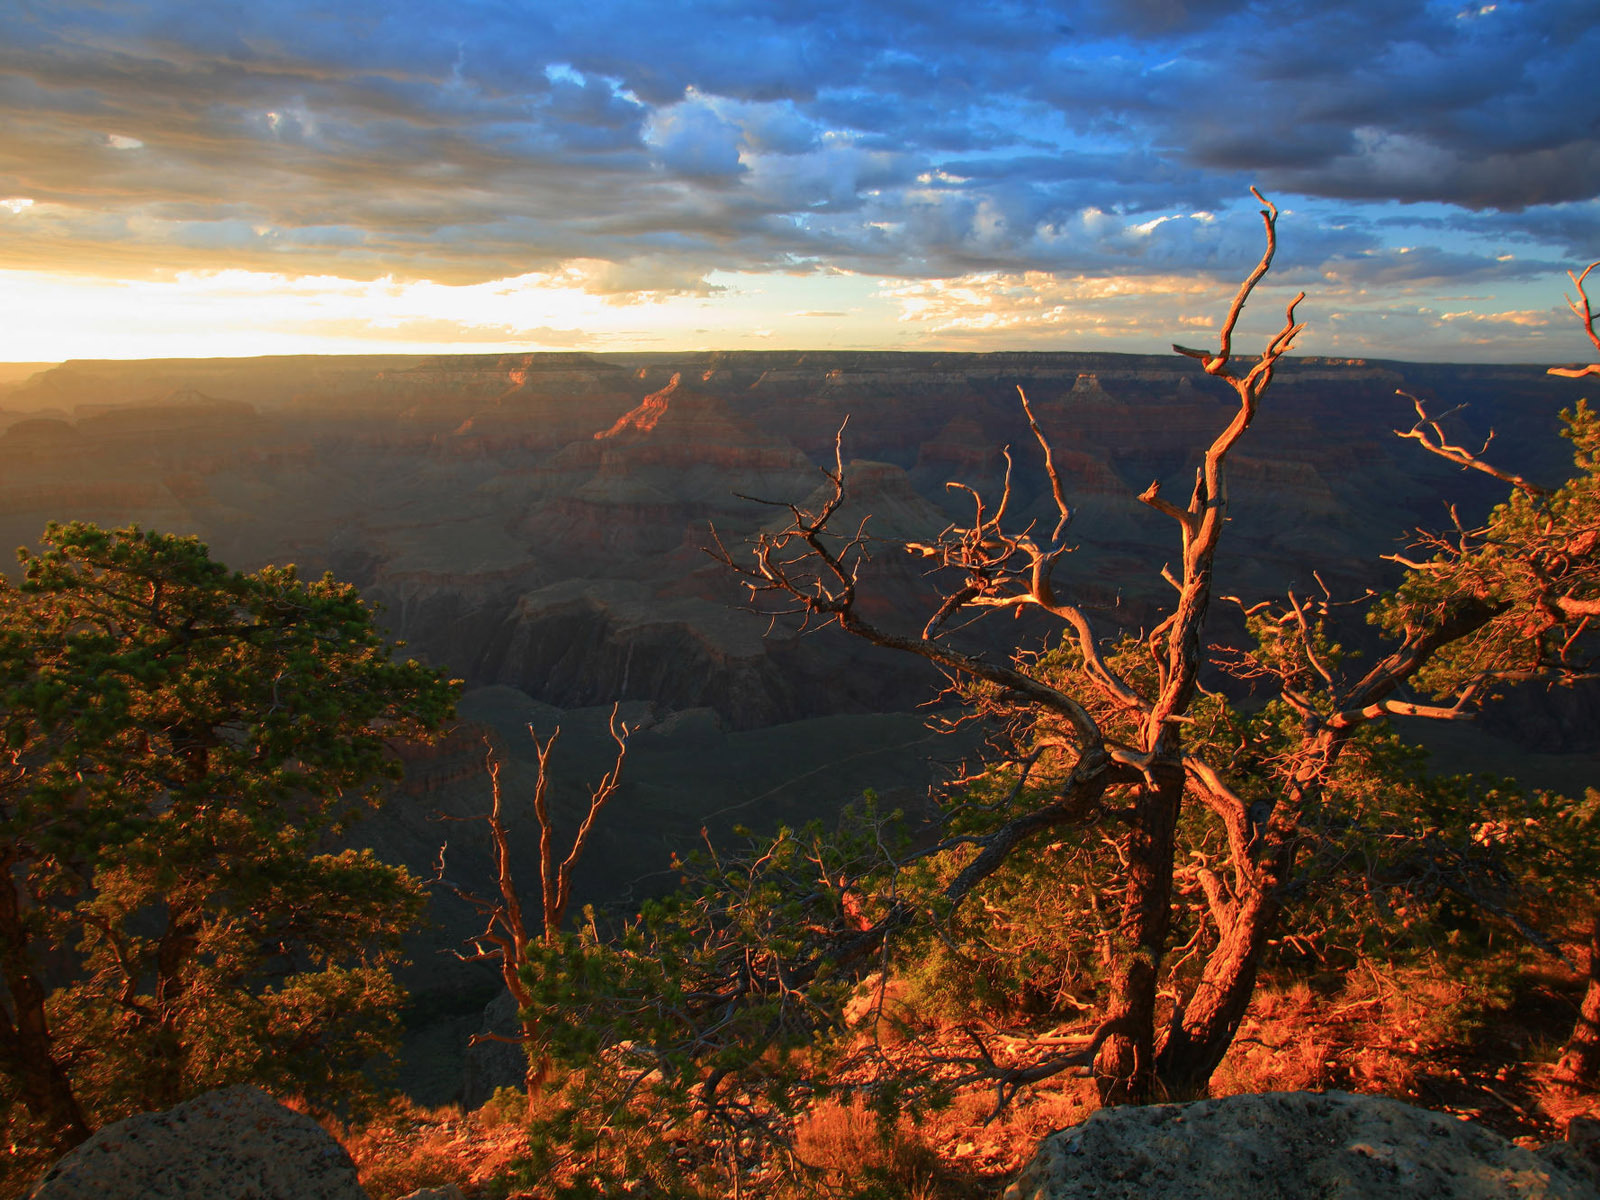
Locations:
(1183, 868)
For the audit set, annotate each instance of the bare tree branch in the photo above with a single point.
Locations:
(504, 939)
(1581, 309)
(1427, 431)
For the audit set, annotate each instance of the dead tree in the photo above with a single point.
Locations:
(1580, 1063)
(505, 939)
(1117, 722)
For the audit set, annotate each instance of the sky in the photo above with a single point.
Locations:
(220, 178)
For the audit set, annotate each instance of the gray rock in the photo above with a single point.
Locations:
(1289, 1145)
(491, 1064)
(233, 1144)
(1579, 1154)
(448, 1192)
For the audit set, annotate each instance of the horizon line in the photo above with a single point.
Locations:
(42, 365)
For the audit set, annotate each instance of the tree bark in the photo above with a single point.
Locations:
(1125, 1068)
(25, 1042)
(1201, 1035)
(1580, 1065)
(168, 1051)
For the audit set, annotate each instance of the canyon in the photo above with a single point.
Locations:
(538, 525)
(541, 521)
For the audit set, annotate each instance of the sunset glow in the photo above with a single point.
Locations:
(174, 181)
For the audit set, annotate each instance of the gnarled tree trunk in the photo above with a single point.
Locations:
(1580, 1065)
(1125, 1068)
(1202, 1033)
(25, 1042)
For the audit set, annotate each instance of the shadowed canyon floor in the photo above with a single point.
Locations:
(537, 524)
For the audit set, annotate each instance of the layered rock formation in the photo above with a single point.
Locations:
(538, 525)
(541, 520)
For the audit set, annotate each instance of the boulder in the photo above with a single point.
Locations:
(1287, 1145)
(233, 1144)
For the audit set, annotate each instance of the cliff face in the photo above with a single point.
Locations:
(540, 520)
(537, 524)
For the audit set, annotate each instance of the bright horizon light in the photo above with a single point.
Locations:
(282, 179)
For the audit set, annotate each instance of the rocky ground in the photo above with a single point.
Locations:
(1290, 1145)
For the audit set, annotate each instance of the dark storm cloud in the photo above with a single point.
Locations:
(1575, 228)
(474, 140)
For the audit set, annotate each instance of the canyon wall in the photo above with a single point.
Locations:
(540, 521)
(538, 525)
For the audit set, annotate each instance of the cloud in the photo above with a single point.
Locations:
(639, 280)
(774, 128)
(1534, 336)
(659, 142)
(1523, 319)
(437, 329)
(1403, 166)
(689, 138)
(1041, 306)
(1406, 269)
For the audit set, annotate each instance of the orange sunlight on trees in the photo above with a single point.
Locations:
(178, 736)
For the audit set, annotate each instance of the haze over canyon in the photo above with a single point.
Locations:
(537, 524)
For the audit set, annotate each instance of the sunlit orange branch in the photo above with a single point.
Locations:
(1582, 310)
(1430, 434)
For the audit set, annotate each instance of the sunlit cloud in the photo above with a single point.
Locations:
(648, 158)
(1518, 335)
(1039, 304)
(1525, 319)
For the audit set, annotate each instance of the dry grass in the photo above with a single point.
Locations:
(845, 1144)
(1367, 1037)
(1281, 1046)
(962, 1149)
(408, 1147)
(1476, 1046)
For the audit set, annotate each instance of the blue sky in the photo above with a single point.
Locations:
(181, 178)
